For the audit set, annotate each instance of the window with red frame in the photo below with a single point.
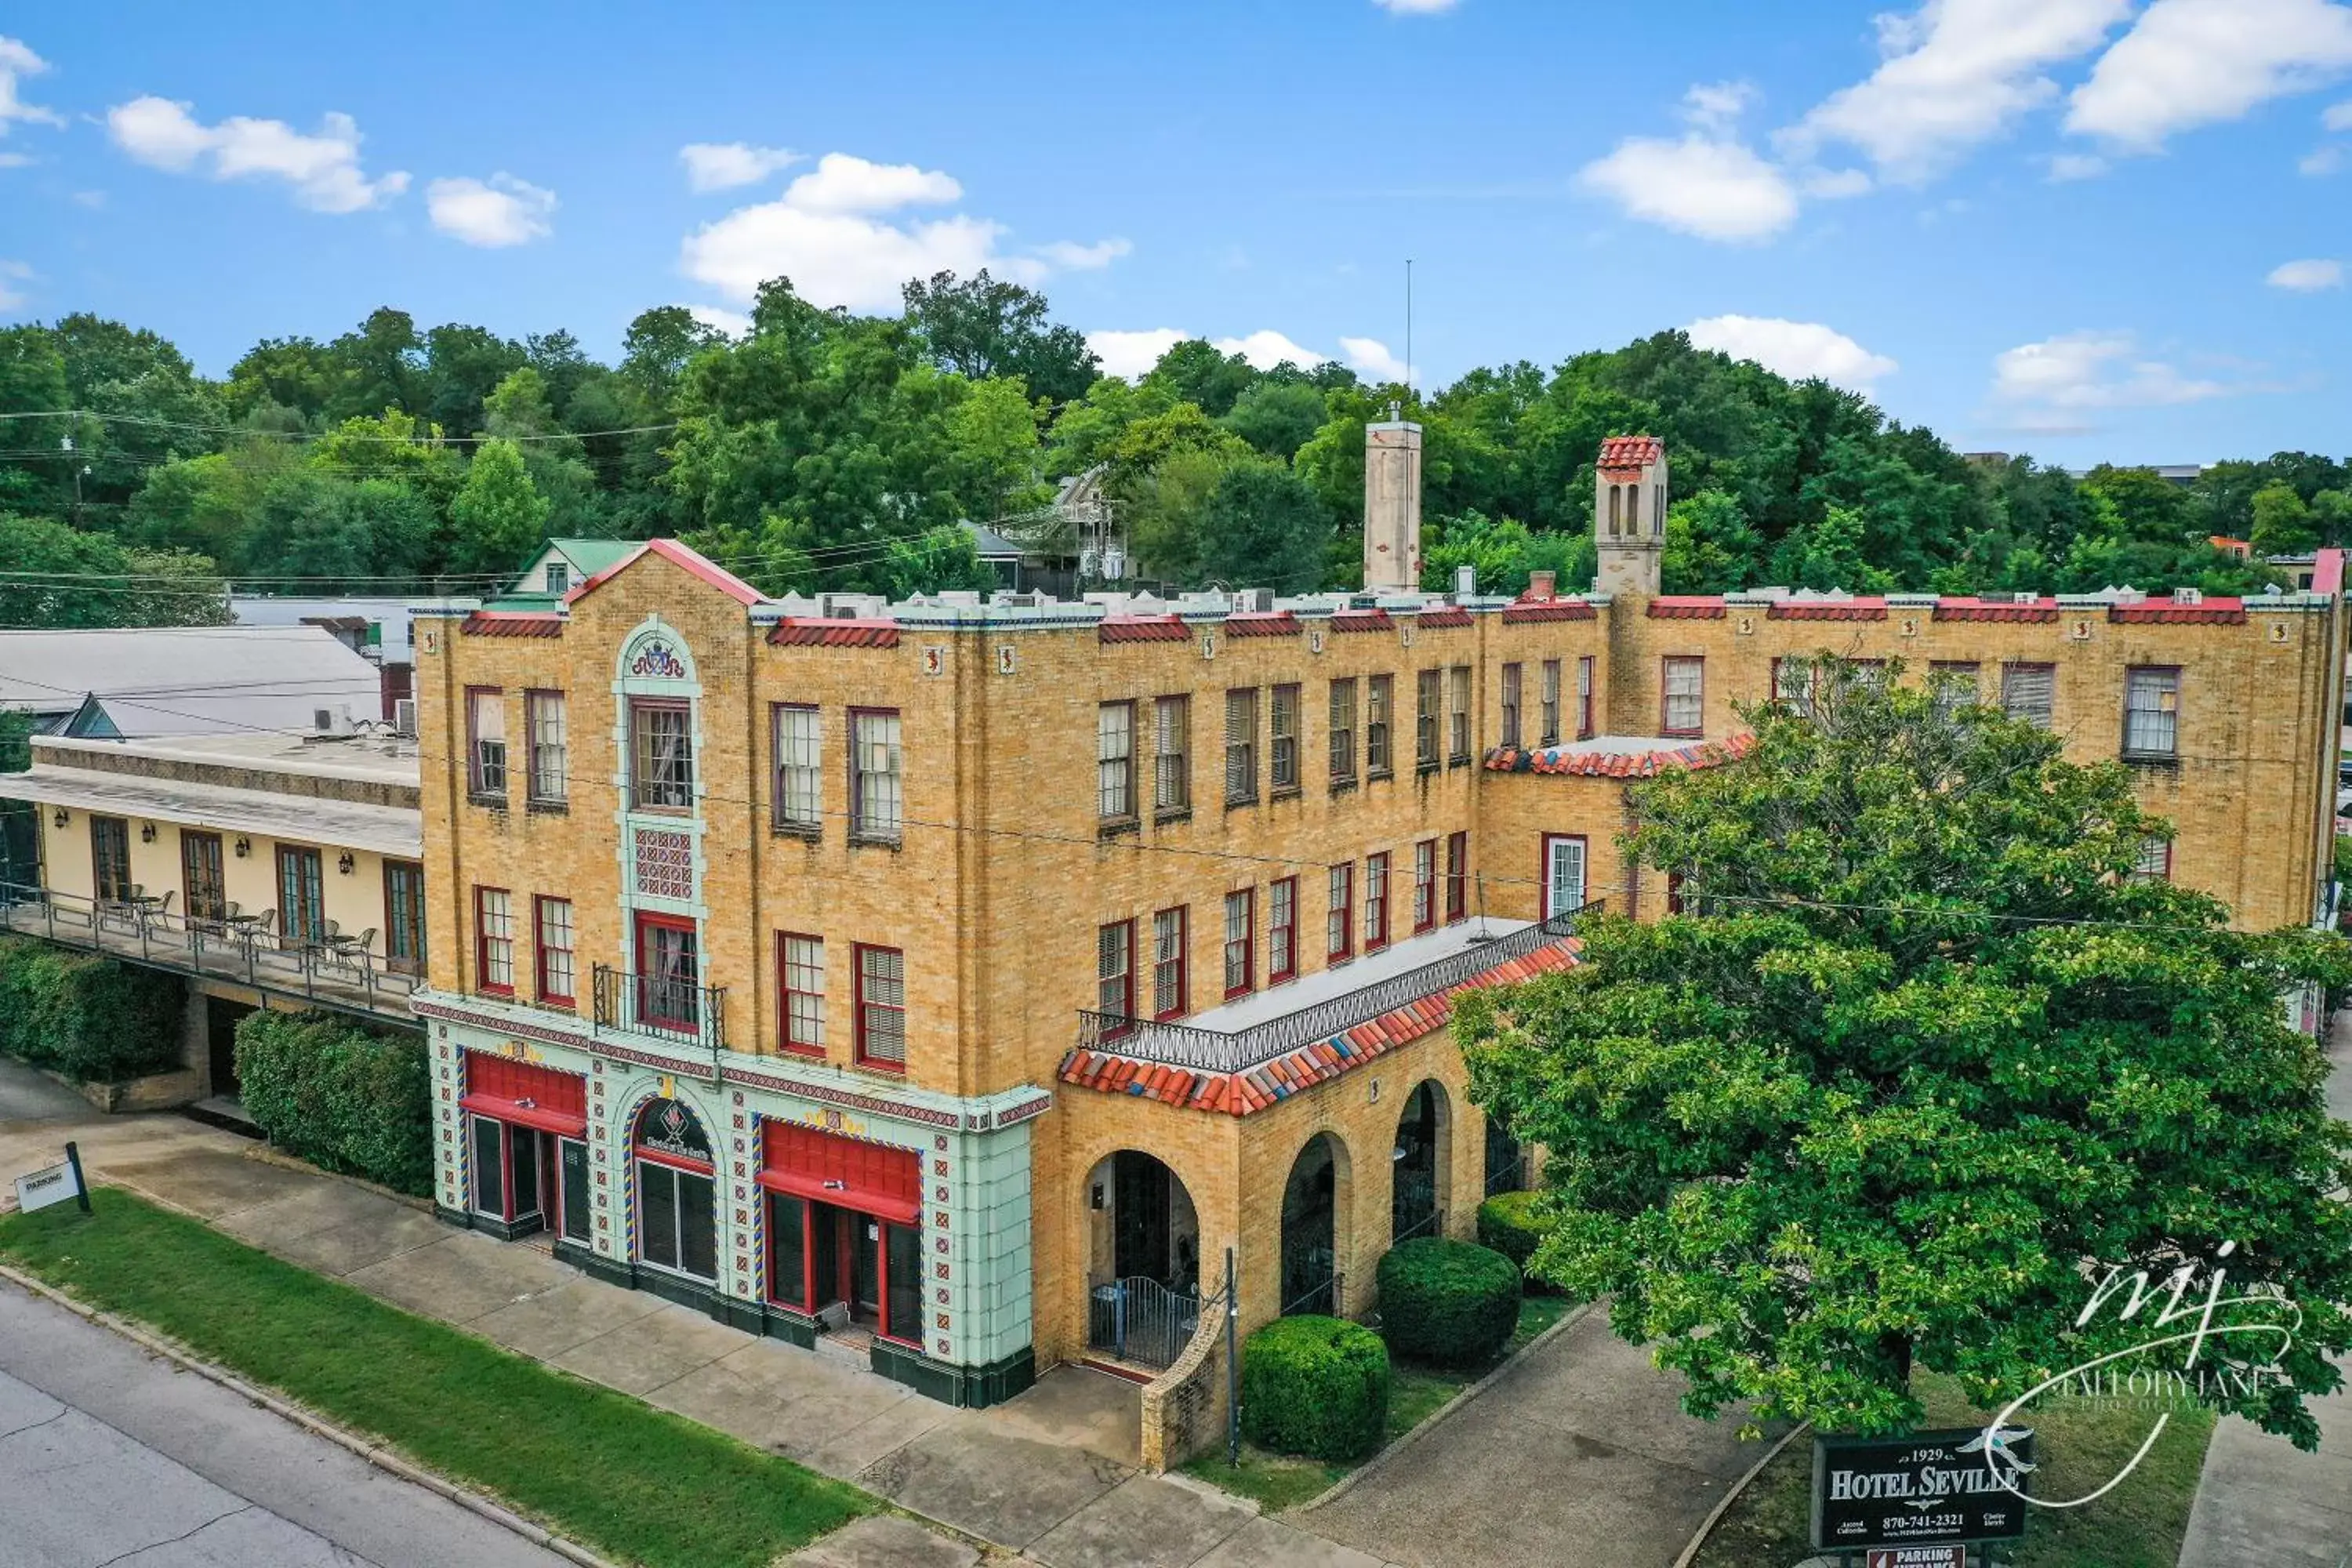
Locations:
(1115, 969)
(1282, 929)
(1169, 981)
(1457, 876)
(799, 971)
(669, 972)
(1376, 903)
(494, 942)
(882, 1007)
(1240, 945)
(558, 974)
(1683, 695)
(1584, 681)
(1339, 926)
(1424, 885)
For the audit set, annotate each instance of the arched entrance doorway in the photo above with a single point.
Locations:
(1418, 1162)
(677, 1215)
(1310, 1227)
(1143, 1284)
(1506, 1161)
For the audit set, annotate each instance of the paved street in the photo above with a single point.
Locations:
(108, 1457)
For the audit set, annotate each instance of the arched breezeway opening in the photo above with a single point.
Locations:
(1419, 1163)
(1314, 1201)
(1143, 1287)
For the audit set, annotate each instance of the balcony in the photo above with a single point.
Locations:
(1256, 1030)
(340, 973)
(680, 1016)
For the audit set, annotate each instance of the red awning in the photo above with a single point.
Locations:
(872, 1178)
(546, 1118)
(899, 1211)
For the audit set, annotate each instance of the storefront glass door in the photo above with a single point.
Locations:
(571, 1157)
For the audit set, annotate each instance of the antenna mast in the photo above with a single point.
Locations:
(1408, 326)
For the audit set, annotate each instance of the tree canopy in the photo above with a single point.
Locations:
(1923, 1059)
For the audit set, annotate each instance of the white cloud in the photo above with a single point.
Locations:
(1371, 358)
(723, 166)
(823, 234)
(1717, 106)
(15, 159)
(493, 213)
(1715, 188)
(1265, 348)
(1798, 350)
(1956, 73)
(323, 169)
(2067, 166)
(734, 323)
(18, 61)
(1133, 353)
(2050, 384)
(2337, 116)
(1416, 7)
(2321, 161)
(2197, 62)
(2307, 277)
(1831, 184)
(11, 274)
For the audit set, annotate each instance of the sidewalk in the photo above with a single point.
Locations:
(1051, 1474)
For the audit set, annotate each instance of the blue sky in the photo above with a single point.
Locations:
(2085, 228)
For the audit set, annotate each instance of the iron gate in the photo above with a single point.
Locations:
(1139, 1320)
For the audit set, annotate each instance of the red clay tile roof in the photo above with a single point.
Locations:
(1362, 621)
(1549, 610)
(1279, 623)
(1240, 1093)
(1641, 764)
(2210, 613)
(812, 631)
(678, 555)
(511, 623)
(1630, 452)
(1860, 609)
(1686, 607)
(2327, 573)
(1958, 609)
(1141, 628)
(1432, 620)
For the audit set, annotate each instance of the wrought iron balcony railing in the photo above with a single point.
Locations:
(691, 1015)
(1200, 1050)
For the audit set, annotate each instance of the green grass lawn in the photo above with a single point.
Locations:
(2078, 1448)
(1416, 1392)
(607, 1470)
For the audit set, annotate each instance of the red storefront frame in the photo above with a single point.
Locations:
(526, 1094)
(812, 1168)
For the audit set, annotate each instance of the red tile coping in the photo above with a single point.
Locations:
(1362, 621)
(1873, 608)
(1549, 610)
(1278, 623)
(1621, 452)
(511, 623)
(1686, 607)
(1641, 764)
(1240, 1093)
(1433, 620)
(2209, 612)
(814, 631)
(1961, 609)
(1141, 628)
(690, 561)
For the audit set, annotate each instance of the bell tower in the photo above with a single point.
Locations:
(1629, 513)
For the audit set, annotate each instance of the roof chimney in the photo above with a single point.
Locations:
(1392, 505)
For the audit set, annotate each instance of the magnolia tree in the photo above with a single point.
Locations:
(1927, 1073)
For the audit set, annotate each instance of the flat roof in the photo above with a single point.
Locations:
(300, 819)
(1410, 953)
(362, 760)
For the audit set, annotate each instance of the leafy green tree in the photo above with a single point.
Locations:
(1277, 416)
(381, 365)
(1711, 548)
(1503, 554)
(993, 434)
(659, 345)
(462, 364)
(298, 373)
(981, 327)
(1926, 1059)
(2283, 524)
(498, 518)
(942, 560)
(167, 588)
(1829, 554)
(1263, 527)
(1194, 372)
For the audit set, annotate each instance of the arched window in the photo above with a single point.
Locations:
(1616, 501)
(1657, 510)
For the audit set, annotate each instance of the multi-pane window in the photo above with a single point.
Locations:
(1510, 704)
(1343, 732)
(877, 800)
(2028, 692)
(2151, 711)
(881, 1007)
(1282, 752)
(1793, 685)
(485, 741)
(2154, 863)
(202, 876)
(1282, 929)
(1428, 695)
(1115, 969)
(661, 755)
(1584, 684)
(550, 757)
(1376, 903)
(799, 962)
(1380, 706)
(1241, 745)
(1241, 917)
(1339, 925)
(493, 940)
(800, 775)
(1457, 876)
(110, 859)
(552, 941)
(1457, 713)
(1168, 976)
(403, 915)
(1424, 884)
(1115, 761)
(1548, 727)
(1684, 707)
(1953, 684)
(1172, 768)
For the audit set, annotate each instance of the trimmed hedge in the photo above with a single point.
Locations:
(342, 1097)
(1316, 1386)
(92, 1019)
(1453, 1304)
(1513, 1225)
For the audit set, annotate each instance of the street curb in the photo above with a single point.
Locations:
(1723, 1505)
(392, 1464)
(1342, 1487)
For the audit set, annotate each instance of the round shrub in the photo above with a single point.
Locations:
(1316, 1386)
(1512, 1224)
(1455, 1303)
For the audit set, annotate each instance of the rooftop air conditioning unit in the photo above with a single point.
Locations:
(2025, 598)
(332, 723)
(403, 715)
(1253, 601)
(2188, 596)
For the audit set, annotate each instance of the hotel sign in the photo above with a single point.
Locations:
(1930, 1490)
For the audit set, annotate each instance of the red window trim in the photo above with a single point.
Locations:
(675, 1162)
(652, 705)
(1282, 962)
(1346, 911)
(1373, 943)
(784, 1041)
(648, 921)
(472, 747)
(539, 901)
(1249, 941)
(1424, 885)
(1126, 928)
(1184, 913)
(857, 951)
(1457, 877)
(802, 1303)
(1588, 680)
(482, 981)
(1664, 661)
